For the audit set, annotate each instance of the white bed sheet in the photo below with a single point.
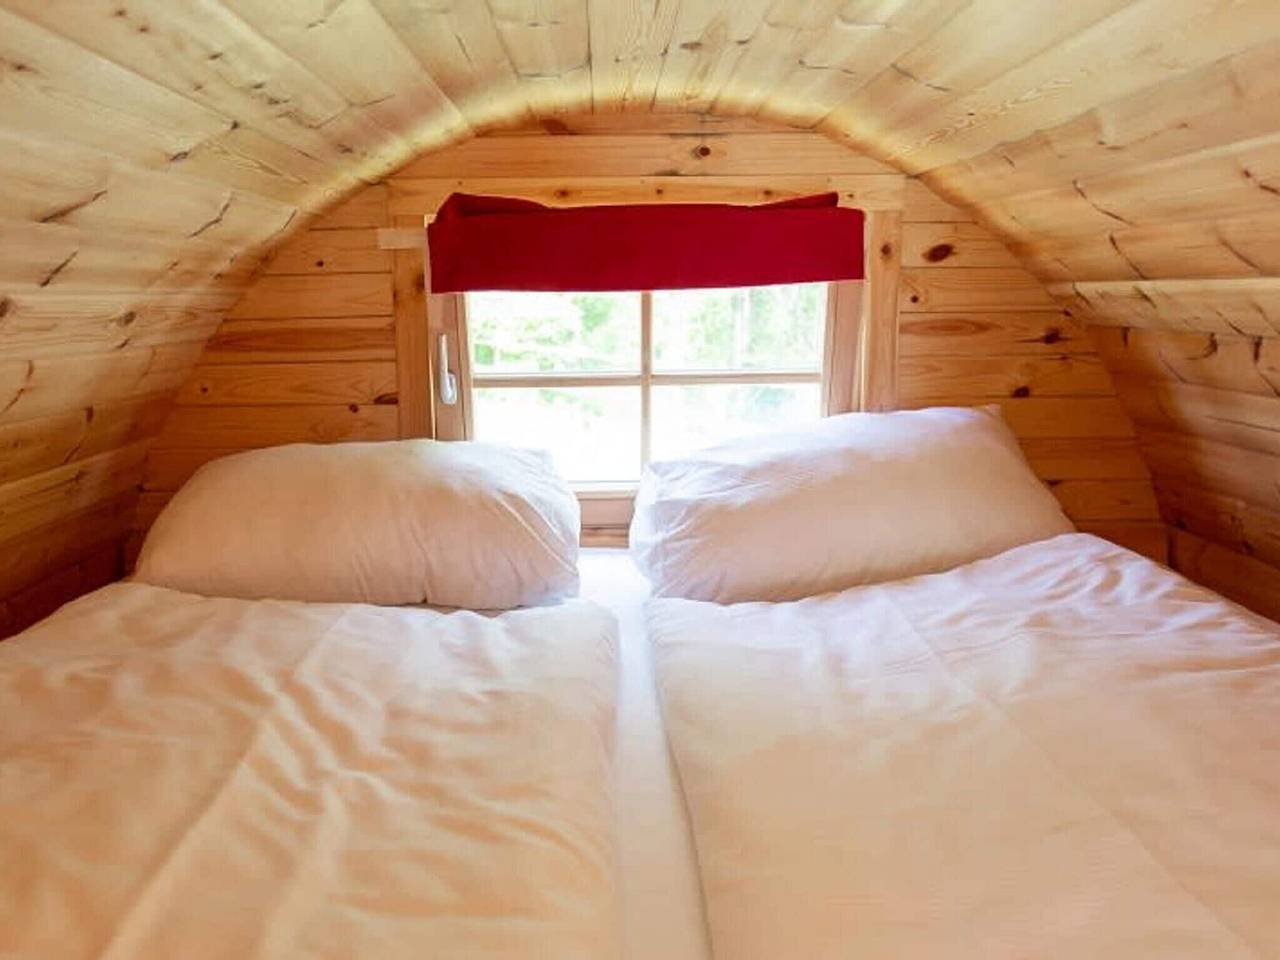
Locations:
(184, 777)
(662, 914)
(1064, 751)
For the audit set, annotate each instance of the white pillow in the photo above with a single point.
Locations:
(410, 521)
(853, 499)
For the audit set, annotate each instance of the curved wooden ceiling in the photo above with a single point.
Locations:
(152, 152)
(202, 130)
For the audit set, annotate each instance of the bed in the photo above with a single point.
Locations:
(1062, 751)
(183, 776)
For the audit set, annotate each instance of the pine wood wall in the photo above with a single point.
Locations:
(308, 353)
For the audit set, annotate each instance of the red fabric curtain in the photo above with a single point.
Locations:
(501, 243)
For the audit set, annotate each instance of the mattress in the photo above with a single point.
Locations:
(197, 778)
(1063, 751)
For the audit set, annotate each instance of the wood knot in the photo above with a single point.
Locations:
(126, 319)
(1023, 391)
(939, 252)
(5, 305)
(319, 263)
(353, 407)
(886, 250)
(915, 298)
(704, 151)
(1052, 335)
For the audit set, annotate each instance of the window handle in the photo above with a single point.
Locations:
(448, 382)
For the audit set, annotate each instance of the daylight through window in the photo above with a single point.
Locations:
(608, 381)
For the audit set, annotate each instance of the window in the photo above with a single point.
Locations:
(608, 381)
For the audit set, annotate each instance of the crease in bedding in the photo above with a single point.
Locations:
(1062, 751)
(196, 777)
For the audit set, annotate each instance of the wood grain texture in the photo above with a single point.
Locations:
(153, 154)
(1008, 342)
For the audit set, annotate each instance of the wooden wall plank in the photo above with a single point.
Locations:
(32, 446)
(304, 340)
(20, 610)
(1250, 582)
(1226, 520)
(332, 251)
(972, 289)
(932, 244)
(45, 386)
(1033, 333)
(340, 295)
(644, 155)
(1000, 376)
(44, 498)
(1110, 499)
(221, 427)
(44, 552)
(262, 384)
(869, 191)
(1151, 539)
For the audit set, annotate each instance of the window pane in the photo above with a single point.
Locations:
(534, 332)
(593, 433)
(688, 418)
(748, 328)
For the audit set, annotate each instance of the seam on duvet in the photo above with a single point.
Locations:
(174, 850)
(674, 757)
(1028, 738)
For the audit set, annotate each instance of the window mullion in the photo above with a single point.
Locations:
(646, 374)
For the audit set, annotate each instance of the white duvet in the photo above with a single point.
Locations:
(191, 778)
(1064, 751)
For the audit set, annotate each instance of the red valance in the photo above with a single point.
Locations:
(502, 243)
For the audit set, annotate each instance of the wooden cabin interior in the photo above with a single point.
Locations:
(212, 218)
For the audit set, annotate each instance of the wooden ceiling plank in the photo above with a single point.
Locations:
(1220, 361)
(47, 497)
(708, 39)
(1244, 246)
(55, 257)
(789, 29)
(1227, 101)
(29, 447)
(55, 324)
(458, 44)
(629, 40)
(895, 110)
(361, 57)
(864, 38)
(548, 43)
(1142, 44)
(1247, 306)
(1226, 181)
(1244, 420)
(58, 90)
(201, 51)
(41, 387)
